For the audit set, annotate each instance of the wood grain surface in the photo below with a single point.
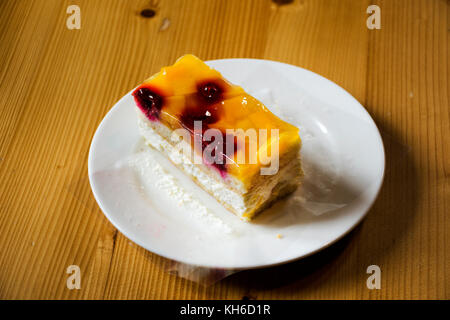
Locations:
(57, 84)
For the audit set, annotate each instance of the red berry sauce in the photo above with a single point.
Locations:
(204, 106)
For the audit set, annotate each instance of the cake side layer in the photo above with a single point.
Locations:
(231, 194)
(235, 183)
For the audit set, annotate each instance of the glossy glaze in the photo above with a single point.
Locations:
(191, 91)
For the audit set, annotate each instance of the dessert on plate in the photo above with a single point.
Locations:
(224, 139)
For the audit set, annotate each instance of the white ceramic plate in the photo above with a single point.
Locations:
(343, 161)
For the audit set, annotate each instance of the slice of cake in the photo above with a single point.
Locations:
(228, 142)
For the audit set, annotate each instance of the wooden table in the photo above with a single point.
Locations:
(57, 84)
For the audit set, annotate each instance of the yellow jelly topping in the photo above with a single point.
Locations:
(191, 91)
